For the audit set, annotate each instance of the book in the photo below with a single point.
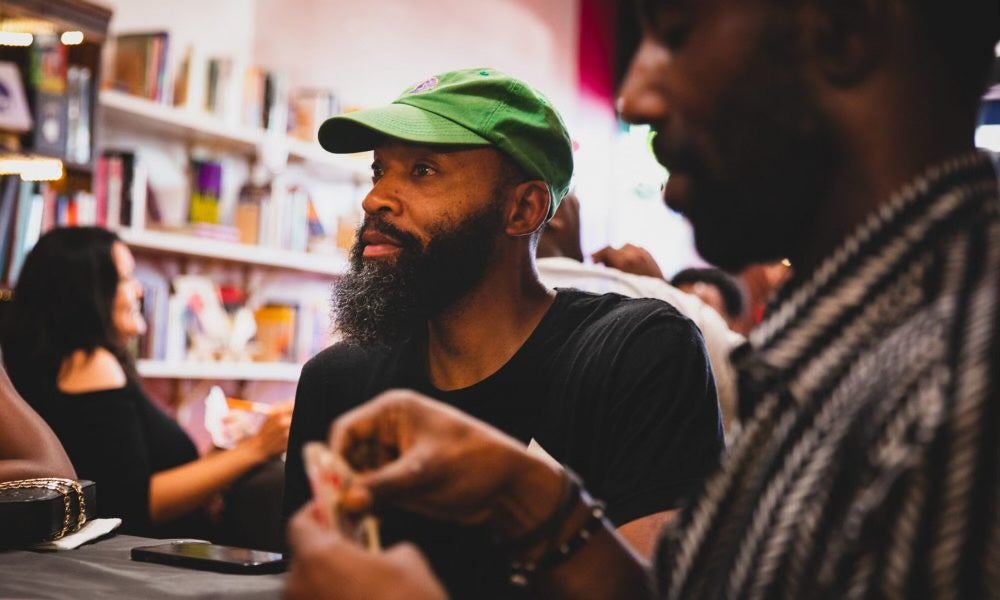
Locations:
(9, 188)
(15, 114)
(309, 108)
(155, 300)
(139, 65)
(217, 86)
(275, 115)
(113, 194)
(78, 115)
(253, 97)
(125, 196)
(50, 124)
(276, 332)
(182, 79)
(100, 191)
(48, 65)
(27, 226)
(206, 192)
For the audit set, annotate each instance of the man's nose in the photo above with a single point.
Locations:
(383, 198)
(642, 98)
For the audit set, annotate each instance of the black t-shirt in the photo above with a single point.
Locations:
(119, 439)
(618, 389)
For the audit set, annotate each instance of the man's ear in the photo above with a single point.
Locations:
(846, 38)
(528, 208)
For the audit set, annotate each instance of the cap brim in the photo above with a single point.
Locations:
(362, 130)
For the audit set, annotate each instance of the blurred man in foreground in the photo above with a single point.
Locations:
(560, 265)
(838, 135)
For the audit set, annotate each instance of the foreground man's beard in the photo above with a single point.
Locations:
(382, 302)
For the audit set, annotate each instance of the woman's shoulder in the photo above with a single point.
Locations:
(91, 372)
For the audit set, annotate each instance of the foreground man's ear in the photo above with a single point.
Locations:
(528, 208)
(847, 38)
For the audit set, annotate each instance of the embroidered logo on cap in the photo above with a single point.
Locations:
(423, 86)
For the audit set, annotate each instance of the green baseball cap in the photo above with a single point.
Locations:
(470, 107)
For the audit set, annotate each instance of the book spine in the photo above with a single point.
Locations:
(137, 218)
(101, 192)
(114, 195)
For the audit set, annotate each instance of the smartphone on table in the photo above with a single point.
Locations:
(212, 557)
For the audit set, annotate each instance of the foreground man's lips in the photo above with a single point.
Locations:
(676, 192)
(378, 244)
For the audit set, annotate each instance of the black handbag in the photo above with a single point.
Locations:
(44, 509)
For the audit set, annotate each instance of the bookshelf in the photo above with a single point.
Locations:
(49, 93)
(224, 371)
(177, 244)
(133, 112)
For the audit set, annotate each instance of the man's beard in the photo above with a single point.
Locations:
(383, 302)
(775, 153)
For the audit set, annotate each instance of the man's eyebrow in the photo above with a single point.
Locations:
(647, 9)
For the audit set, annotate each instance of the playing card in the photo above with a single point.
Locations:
(329, 476)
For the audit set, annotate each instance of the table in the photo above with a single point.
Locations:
(103, 570)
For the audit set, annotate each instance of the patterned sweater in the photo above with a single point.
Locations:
(869, 462)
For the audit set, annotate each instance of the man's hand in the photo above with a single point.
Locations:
(434, 460)
(628, 258)
(325, 566)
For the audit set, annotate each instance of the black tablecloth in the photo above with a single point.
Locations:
(104, 570)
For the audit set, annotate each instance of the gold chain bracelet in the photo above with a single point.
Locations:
(62, 486)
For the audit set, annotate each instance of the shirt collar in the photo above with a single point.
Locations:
(798, 313)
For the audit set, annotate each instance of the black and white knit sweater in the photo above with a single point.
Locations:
(869, 462)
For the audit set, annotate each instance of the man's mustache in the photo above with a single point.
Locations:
(380, 225)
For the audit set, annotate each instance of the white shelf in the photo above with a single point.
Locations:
(242, 371)
(143, 114)
(356, 165)
(140, 114)
(260, 256)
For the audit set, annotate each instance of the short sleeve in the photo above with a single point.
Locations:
(664, 428)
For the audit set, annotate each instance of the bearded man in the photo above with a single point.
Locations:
(443, 298)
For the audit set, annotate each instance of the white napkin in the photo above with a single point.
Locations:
(91, 531)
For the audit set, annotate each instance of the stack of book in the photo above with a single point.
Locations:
(121, 191)
(139, 65)
(59, 96)
(29, 209)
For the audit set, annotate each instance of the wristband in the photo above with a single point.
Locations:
(522, 573)
(567, 501)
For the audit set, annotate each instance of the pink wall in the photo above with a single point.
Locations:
(368, 52)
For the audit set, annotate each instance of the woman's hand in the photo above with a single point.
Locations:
(272, 438)
(328, 567)
(432, 459)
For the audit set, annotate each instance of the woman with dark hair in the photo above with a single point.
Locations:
(76, 305)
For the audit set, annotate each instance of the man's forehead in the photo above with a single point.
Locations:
(390, 147)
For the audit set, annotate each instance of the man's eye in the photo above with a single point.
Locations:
(376, 173)
(672, 28)
(423, 170)
(675, 36)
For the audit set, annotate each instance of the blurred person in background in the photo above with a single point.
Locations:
(838, 135)
(76, 305)
(717, 289)
(560, 265)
